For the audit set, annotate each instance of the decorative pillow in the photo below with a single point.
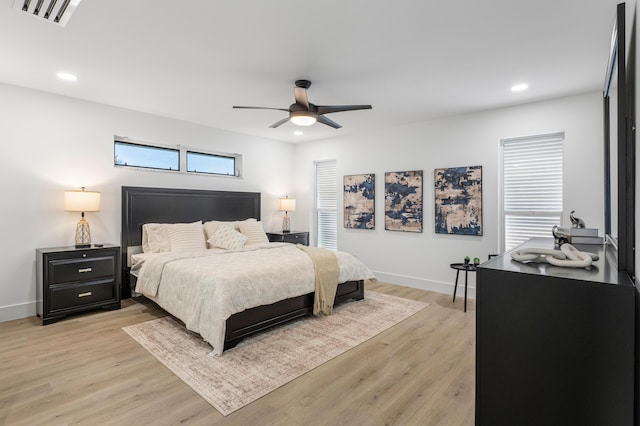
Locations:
(155, 238)
(211, 226)
(254, 232)
(227, 238)
(186, 236)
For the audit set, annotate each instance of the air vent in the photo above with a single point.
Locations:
(54, 11)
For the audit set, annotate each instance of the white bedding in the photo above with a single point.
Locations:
(204, 288)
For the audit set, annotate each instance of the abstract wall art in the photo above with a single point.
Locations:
(458, 200)
(403, 201)
(359, 201)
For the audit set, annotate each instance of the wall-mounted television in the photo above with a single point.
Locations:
(619, 151)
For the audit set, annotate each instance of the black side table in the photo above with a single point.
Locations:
(293, 237)
(466, 268)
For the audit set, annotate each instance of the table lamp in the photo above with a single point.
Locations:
(286, 205)
(82, 201)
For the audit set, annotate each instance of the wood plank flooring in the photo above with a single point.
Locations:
(85, 370)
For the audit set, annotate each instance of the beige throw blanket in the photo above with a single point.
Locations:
(326, 270)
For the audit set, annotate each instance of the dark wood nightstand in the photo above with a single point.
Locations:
(294, 237)
(71, 280)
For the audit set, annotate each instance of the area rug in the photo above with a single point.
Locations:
(261, 364)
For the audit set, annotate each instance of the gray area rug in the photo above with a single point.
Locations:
(263, 363)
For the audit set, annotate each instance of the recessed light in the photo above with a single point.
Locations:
(519, 87)
(67, 76)
(298, 133)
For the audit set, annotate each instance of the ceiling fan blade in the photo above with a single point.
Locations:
(300, 94)
(253, 107)
(324, 120)
(274, 125)
(326, 109)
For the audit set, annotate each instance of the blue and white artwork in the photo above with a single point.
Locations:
(359, 201)
(403, 201)
(458, 199)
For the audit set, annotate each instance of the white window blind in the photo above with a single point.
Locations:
(327, 204)
(531, 187)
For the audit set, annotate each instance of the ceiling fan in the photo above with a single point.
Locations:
(304, 113)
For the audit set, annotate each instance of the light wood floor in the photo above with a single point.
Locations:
(85, 370)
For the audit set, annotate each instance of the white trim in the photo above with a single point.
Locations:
(430, 285)
(537, 138)
(19, 311)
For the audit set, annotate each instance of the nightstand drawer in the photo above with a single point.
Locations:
(296, 238)
(85, 294)
(71, 270)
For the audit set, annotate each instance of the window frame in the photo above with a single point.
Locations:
(155, 147)
(183, 152)
(540, 138)
(318, 210)
(210, 154)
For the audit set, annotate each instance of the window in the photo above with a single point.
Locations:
(150, 157)
(137, 154)
(327, 204)
(199, 162)
(531, 187)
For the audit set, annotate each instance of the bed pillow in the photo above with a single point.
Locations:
(254, 232)
(155, 238)
(211, 226)
(227, 238)
(186, 236)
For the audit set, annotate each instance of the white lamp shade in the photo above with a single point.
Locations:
(287, 204)
(81, 201)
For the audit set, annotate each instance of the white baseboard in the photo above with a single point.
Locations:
(22, 310)
(423, 284)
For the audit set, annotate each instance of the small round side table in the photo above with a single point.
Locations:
(466, 268)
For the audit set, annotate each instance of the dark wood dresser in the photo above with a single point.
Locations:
(294, 237)
(71, 280)
(554, 345)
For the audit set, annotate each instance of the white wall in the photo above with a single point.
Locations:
(422, 260)
(52, 143)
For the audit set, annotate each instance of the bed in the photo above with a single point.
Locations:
(163, 205)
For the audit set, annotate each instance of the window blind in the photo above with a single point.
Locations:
(327, 204)
(531, 187)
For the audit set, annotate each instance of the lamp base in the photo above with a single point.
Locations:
(83, 234)
(286, 223)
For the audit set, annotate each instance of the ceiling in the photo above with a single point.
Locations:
(412, 60)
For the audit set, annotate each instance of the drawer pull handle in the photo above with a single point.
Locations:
(88, 293)
(81, 270)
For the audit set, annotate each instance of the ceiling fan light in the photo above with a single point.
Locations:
(302, 118)
(519, 87)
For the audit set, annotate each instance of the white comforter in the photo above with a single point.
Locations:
(205, 288)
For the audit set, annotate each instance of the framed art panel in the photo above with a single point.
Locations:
(403, 201)
(458, 200)
(359, 201)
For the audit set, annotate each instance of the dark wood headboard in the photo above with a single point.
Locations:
(170, 205)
